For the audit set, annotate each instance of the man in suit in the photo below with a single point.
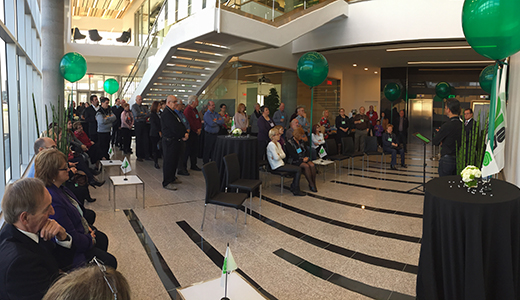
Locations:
(401, 124)
(468, 121)
(90, 117)
(117, 109)
(30, 241)
(173, 133)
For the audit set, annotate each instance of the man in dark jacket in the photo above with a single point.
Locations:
(401, 129)
(449, 135)
(90, 118)
(391, 146)
(173, 133)
(117, 109)
(30, 242)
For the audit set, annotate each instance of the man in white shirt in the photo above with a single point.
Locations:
(30, 241)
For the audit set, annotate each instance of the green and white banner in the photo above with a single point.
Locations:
(494, 157)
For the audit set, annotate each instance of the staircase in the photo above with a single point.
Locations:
(197, 48)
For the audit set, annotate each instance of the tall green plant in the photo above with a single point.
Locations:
(472, 147)
(272, 101)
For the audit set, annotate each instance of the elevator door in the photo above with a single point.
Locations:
(420, 119)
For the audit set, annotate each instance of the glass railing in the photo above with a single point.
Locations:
(153, 22)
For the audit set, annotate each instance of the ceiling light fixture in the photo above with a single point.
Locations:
(354, 65)
(366, 69)
(450, 62)
(428, 48)
(375, 72)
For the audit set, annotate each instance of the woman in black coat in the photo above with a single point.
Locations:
(297, 151)
(343, 126)
(155, 132)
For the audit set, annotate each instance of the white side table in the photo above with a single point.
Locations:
(110, 163)
(324, 163)
(125, 181)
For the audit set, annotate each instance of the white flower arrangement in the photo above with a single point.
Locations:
(236, 132)
(470, 174)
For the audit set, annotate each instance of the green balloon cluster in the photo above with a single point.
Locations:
(443, 89)
(486, 78)
(73, 66)
(438, 99)
(312, 68)
(392, 91)
(492, 27)
(111, 86)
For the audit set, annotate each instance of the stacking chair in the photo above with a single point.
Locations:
(370, 149)
(347, 144)
(76, 35)
(94, 35)
(233, 180)
(125, 36)
(332, 153)
(282, 175)
(214, 196)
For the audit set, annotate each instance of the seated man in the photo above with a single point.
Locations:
(391, 146)
(30, 241)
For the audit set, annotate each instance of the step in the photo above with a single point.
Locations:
(180, 75)
(198, 55)
(208, 48)
(188, 70)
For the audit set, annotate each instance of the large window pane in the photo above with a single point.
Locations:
(5, 111)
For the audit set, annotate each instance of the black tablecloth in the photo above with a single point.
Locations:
(471, 243)
(245, 147)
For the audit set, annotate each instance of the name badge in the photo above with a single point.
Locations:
(215, 120)
(272, 125)
(184, 120)
(299, 150)
(283, 117)
(362, 120)
(389, 139)
(196, 116)
(343, 122)
(371, 115)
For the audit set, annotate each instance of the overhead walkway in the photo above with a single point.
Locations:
(181, 59)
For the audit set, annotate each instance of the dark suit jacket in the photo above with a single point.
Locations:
(171, 125)
(117, 112)
(469, 127)
(90, 117)
(27, 269)
(155, 124)
(405, 124)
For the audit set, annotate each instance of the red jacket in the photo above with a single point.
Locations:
(193, 118)
(83, 138)
(373, 119)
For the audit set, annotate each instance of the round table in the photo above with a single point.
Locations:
(245, 147)
(470, 246)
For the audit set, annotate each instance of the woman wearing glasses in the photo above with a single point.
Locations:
(51, 167)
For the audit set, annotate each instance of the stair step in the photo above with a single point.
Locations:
(180, 75)
(208, 47)
(198, 55)
(189, 63)
(170, 83)
(188, 70)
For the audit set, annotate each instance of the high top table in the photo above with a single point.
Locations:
(470, 247)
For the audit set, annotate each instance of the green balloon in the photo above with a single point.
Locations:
(486, 78)
(392, 91)
(443, 89)
(312, 68)
(111, 86)
(492, 27)
(73, 66)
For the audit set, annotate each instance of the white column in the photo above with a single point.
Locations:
(512, 164)
(53, 48)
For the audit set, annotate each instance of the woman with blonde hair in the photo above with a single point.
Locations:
(298, 153)
(52, 168)
(93, 282)
(275, 157)
(240, 118)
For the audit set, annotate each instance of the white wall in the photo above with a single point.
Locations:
(358, 89)
(86, 23)
(380, 21)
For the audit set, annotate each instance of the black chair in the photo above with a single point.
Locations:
(214, 196)
(76, 35)
(347, 144)
(125, 36)
(332, 153)
(233, 180)
(282, 175)
(94, 35)
(370, 149)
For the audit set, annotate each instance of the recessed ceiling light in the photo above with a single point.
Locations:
(450, 62)
(375, 72)
(428, 48)
(354, 65)
(366, 69)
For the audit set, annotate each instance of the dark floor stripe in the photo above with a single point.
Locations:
(376, 165)
(342, 224)
(216, 257)
(378, 188)
(388, 172)
(372, 162)
(340, 280)
(161, 267)
(385, 179)
(381, 262)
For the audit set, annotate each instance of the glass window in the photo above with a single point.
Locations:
(5, 111)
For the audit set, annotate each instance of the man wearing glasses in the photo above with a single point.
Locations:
(30, 241)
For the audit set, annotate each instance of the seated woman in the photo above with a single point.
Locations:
(391, 146)
(318, 139)
(297, 151)
(52, 168)
(92, 148)
(275, 156)
(280, 130)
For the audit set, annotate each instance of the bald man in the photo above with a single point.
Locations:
(173, 133)
(212, 123)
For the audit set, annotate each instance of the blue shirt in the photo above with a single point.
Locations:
(212, 120)
(31, 171)
(183, 119)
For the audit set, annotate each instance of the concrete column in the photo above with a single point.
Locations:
(53, 48)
